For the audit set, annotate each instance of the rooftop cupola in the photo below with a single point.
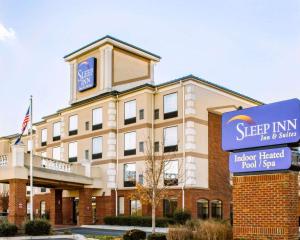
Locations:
(108, 64)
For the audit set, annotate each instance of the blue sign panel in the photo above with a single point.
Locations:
(86, 74)
(271, 124)
(260, 160)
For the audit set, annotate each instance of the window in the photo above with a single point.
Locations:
(29, 146)
(87, 126)
(216, 209)
(73, 125)
(56, 131)
(202, 209)
(97, 119)
(156, 114)
(97, 148)
(43, 209)
(121, 202)
(130, 112)
(141, 146)
(56, 153)
(170, 106)
(129, 143)
(44, 137)
(141, 179)
(43, 189)
(169, 207)
(142, 114)
(171, 173)
(129, 175)
(73, 152)
(170, 139)
(86, 154)
(156, 147)
(135, 208)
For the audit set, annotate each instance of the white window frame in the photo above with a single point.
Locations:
(97, 114)
(130, 109)
(171, 102)
(75, 123)
(170, 140)
(54, 149)
(168, 169)
(75, 144)
(44, 135)
(56, 129)
(101, 145)
(129, 144)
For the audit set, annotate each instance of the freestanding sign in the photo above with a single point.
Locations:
(260, 160)
(257, 139)
(86, 74)
(271, 124)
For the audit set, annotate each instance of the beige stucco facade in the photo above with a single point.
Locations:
(124, 74)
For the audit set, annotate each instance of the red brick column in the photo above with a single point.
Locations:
(67, 210)
(85, 206)
(56, 206)
(17, 201)
(265, 206)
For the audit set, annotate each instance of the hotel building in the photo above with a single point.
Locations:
(89, 156)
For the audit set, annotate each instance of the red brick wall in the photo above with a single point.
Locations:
(37, 199)
(265, 206)
(105, 206)
(17, 201)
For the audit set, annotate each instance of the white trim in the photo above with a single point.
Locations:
(115, 43)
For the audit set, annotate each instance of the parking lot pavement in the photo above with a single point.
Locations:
(92, 231)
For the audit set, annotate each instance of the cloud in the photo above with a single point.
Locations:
(6, 33)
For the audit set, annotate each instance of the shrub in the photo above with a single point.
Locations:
(137, 221)
(37, 227)
(7, 229)
(157, 236)
(181, 216)
(180, 233)
(134, 234)
(201, 230)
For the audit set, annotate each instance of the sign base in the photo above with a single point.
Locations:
(265, 206)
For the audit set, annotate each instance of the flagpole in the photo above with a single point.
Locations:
(31, 160)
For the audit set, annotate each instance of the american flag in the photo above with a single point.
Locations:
(24, 125)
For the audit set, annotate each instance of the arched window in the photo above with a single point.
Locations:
(43, 209)
(202, 209)
(216, 209)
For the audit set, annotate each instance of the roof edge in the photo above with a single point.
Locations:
(114, 39)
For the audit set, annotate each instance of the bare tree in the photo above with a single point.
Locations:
(158, 177)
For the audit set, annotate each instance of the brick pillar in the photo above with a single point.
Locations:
(68, 210)
(85, 206)
(265, 206)
(17, 201)
(56, 206)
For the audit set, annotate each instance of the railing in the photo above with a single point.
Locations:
(3, 160)
(55, 165)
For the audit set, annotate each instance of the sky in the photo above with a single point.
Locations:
(250, 46)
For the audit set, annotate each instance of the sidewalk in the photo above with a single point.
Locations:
(126, 228)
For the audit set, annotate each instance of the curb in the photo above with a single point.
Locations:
(73, 236)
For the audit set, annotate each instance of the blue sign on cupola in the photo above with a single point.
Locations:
(86, 74)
